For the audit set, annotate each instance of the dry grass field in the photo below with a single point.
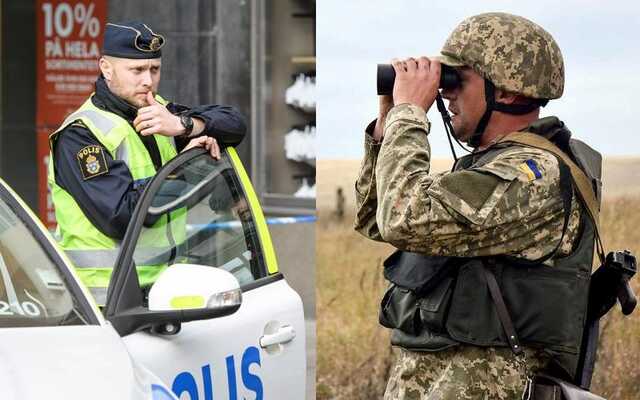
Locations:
(354, 353)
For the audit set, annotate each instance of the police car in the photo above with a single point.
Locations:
(220, 322)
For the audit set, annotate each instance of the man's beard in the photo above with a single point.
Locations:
(133, 101)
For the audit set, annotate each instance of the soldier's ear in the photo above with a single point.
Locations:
(106, 68)
(504, 97)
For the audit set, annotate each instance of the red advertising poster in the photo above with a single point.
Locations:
(69, 38)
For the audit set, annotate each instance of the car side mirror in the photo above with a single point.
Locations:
(191, 286)
(182, 293)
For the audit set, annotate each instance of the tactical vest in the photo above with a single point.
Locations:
(92, 252)
(435, 303)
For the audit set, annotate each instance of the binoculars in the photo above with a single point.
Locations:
(449, 78)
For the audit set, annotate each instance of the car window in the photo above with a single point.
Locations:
(200, 215)
(33, 292)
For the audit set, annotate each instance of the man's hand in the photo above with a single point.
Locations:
(208, 143)
(156, 119)
(385, 104)
(417, 81)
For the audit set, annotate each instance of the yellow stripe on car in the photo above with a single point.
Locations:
(261, 223)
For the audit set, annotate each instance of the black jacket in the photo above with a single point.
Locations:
(108, 200)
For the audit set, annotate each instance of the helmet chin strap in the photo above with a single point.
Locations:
(448, 127)
(492, 105)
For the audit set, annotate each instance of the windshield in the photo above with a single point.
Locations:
(200, 215)
(32, 289)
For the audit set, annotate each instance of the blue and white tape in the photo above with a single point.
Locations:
(270, 221)
(292, 220)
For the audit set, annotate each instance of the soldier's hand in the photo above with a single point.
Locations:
(385, 104)
(417, 81)
(208, 143)
(156, 119)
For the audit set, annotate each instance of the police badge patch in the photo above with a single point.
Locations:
(92, 162)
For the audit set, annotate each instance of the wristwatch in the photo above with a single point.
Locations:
(187, 122)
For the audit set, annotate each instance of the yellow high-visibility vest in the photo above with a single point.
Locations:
(92, 252)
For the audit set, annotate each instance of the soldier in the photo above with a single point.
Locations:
(507, 212)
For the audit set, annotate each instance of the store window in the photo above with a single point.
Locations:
(287, 98)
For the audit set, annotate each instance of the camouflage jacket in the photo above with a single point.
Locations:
(511, 205)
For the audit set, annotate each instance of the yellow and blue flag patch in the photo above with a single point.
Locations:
(530, 168)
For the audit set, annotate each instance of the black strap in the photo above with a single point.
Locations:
(492, 105)
(516, 109)
(501, 309)
(448, 127)
(446, 119)
(587, 361)
(151, 145)
(490, 99)
(566, 192)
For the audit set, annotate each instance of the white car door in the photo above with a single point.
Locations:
(201, 211)
(54, 343)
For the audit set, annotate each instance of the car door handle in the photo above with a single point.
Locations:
(283, 335)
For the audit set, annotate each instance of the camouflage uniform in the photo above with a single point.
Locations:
(459, 373)
(500, 208)
(495, 209)
(492, 210)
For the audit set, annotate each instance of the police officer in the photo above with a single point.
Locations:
(105, 152)
(506, 214)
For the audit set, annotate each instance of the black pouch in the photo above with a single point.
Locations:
(398, 310)
(419, 292)
(544, 387)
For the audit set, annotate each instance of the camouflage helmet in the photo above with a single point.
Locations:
(512, 52)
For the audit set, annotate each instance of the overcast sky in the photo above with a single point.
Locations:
(599, 40)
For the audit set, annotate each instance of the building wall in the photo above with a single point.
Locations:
(18, 99)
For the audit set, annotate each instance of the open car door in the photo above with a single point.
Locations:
(199, 216)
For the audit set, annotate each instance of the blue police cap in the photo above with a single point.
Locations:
(131, 40)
